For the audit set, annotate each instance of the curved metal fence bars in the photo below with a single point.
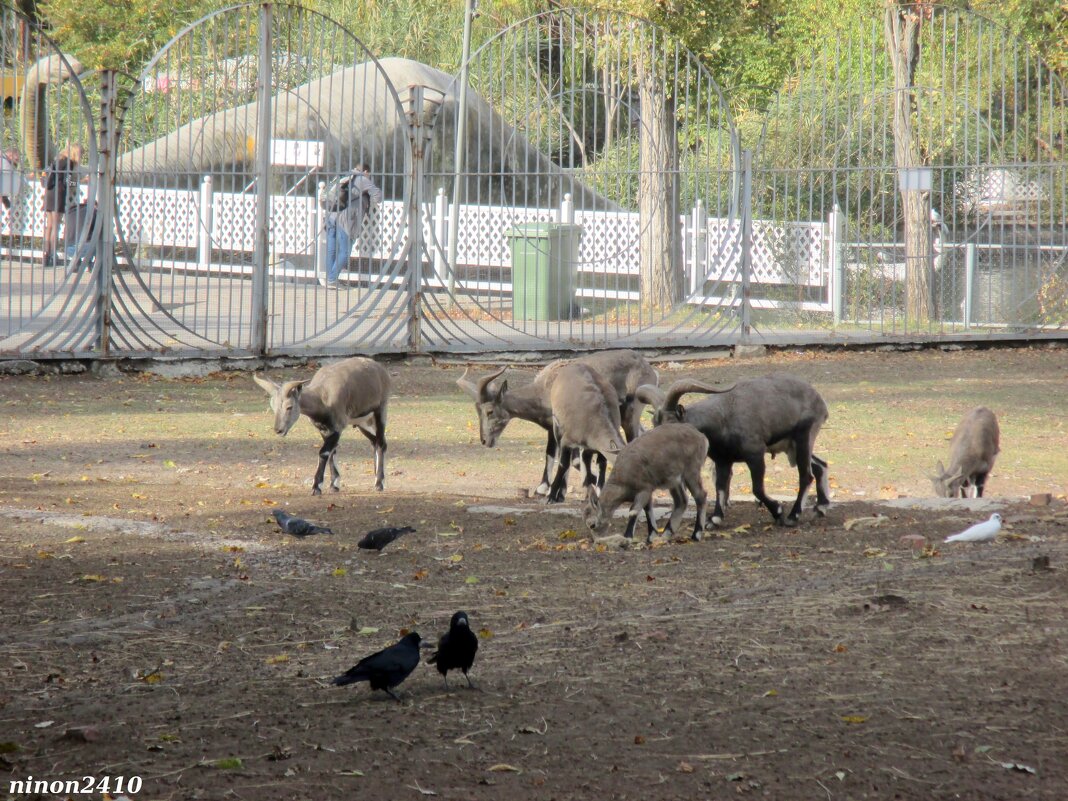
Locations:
(580, 182)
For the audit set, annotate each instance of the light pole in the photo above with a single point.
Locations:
(470, 12)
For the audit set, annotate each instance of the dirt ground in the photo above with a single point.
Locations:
(156, 623)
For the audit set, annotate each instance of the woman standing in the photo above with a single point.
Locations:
(61, 190)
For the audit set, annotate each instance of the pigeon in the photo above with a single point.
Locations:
(297, 526)
(381, 537)
(456, 648)
(386, 668)
(986, 531)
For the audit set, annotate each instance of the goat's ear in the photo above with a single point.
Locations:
(501, 390)
(941, 469)
(294, 388)
(265, 384)
(680, 412)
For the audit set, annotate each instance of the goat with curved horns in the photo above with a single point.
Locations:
(350, 392)
(496, 405)
(772, 414)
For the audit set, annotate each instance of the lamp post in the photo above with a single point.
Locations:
(470, 12)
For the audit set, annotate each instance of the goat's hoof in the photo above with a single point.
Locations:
(821, 509)
(316, 491)
(335, 488)
(696, 536)
(789, 522)
(715, 521)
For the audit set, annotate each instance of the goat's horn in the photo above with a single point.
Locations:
(466, 384)
(680, 388)
(650, 394)
(485, 382)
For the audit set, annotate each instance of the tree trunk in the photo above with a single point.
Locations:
(658, 193)
(902, 24)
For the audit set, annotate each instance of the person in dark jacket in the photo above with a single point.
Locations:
(61, 192)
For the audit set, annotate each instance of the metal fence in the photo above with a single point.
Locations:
(581, 182)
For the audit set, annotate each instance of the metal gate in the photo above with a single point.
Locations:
(579, 183)
(47, 305)
(231, 134)
(952, 221)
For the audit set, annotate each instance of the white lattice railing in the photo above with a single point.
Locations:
(190, 229)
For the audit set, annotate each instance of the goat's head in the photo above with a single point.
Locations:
(593, 513)
(489, 403)
(945, 484)
(285, 402)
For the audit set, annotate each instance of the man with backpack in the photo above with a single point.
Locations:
(346, 202)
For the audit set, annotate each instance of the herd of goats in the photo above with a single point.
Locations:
(584, 403)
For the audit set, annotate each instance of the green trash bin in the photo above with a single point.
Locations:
(544, 256)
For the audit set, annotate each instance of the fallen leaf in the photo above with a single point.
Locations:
(75, 539)
(1018, 766)
(421, 574)
(471, 580)
(340, 571)
(350, 773)
(570, 534)
(503, 767)
(485, 633)
(865, 522)
(368, 630)
(44, 724)
(169, 463)
(744, 527)
(639, 740)
(229, 763)
(840, 648)
(854, 719)
(771, 693)
(684, 767)
(872, 553)
(277, 660)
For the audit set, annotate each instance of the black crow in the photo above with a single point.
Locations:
(456, 648)
(296, 526)
(381, 537)
(387, 668)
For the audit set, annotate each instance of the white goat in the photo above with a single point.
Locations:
(976, 443)
(351, 392)
(667, 457)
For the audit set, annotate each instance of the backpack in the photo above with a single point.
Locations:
(336, 195)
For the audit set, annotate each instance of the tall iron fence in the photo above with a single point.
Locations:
(580, 182)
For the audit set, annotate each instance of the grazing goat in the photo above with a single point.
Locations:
(585, 411)
(668, 457)
(351, 392)
(497, 404)
(972, 451)
(772, 414)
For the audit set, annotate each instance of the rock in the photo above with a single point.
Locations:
(1041, 499)
(747, 351)
(917, 541)
(18, 367)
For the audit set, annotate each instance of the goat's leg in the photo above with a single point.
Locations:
(723, 480)
(823, 486)
(335, 474)
(642, 501)
(376, 435)
(726, 500)
(326, 454)
(559, 485)
(980, 484)
(804, 477)
(756, 472)
(550, 463)
(602, 469)
(700, 498)
(678, 509)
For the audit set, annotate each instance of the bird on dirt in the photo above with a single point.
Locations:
(381, 537)
(456, 648)
(386, 668)
(297, 526)
(987, 531)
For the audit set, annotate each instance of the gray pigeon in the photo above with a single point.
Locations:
(381, 537)
(297, 526)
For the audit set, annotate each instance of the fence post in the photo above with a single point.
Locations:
(747, 244)
(698, 260)
(836, 261)
(205, 219)
(441, 231)
(105, 198)
(263, 188)
(971, 253)
(320, 236)
(421, 115)
(567, 209)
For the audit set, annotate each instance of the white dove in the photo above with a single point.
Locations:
(980, 532)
